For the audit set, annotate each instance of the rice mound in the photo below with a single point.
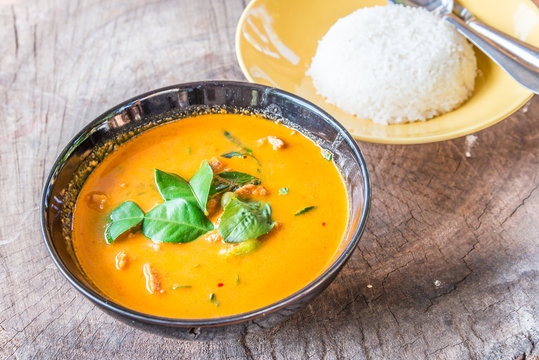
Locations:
(394, 64)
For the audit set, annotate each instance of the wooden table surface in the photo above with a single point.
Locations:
(447, 268)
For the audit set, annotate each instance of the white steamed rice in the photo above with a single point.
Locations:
(394, 64)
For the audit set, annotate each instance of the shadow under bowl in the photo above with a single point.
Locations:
(119, 124)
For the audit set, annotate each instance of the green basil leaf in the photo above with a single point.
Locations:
(123, 218)
(230, 181)
(179, 286)
(218, 187)
(243, 248)
(233, 154)
(172, 186)
(326, 154)
(213, 299)
(236, 176)
(225, 199)
(176, 221)
(236, 141)
(201, 183)
(283, 191)
(244, 220)
(255, 159)
(305, 210)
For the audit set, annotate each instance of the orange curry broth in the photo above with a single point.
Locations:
(288, 258)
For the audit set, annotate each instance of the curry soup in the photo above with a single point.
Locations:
(208, 277)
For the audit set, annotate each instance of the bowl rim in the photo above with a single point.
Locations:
(319, 282)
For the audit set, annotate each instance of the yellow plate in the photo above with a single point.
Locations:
(276, 40)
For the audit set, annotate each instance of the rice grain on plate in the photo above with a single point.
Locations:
(394, 64)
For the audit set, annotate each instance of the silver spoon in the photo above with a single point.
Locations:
(518, 59)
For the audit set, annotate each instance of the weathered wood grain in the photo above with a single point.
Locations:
(447, 269)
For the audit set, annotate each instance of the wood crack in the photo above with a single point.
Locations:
(15, 32)
(519, 205)
(243, 341)
(453, 288)
(532, 349)
(392, 271)
(445, 347)
(349, 303)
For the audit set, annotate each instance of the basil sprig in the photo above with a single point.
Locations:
(181, 218)
(123, 218)
(244, 220)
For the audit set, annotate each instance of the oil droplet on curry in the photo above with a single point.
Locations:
(209, 277)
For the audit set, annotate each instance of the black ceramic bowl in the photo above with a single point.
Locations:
(120, 123)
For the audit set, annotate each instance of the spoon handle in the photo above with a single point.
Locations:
(524, 72)
(527, 52)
